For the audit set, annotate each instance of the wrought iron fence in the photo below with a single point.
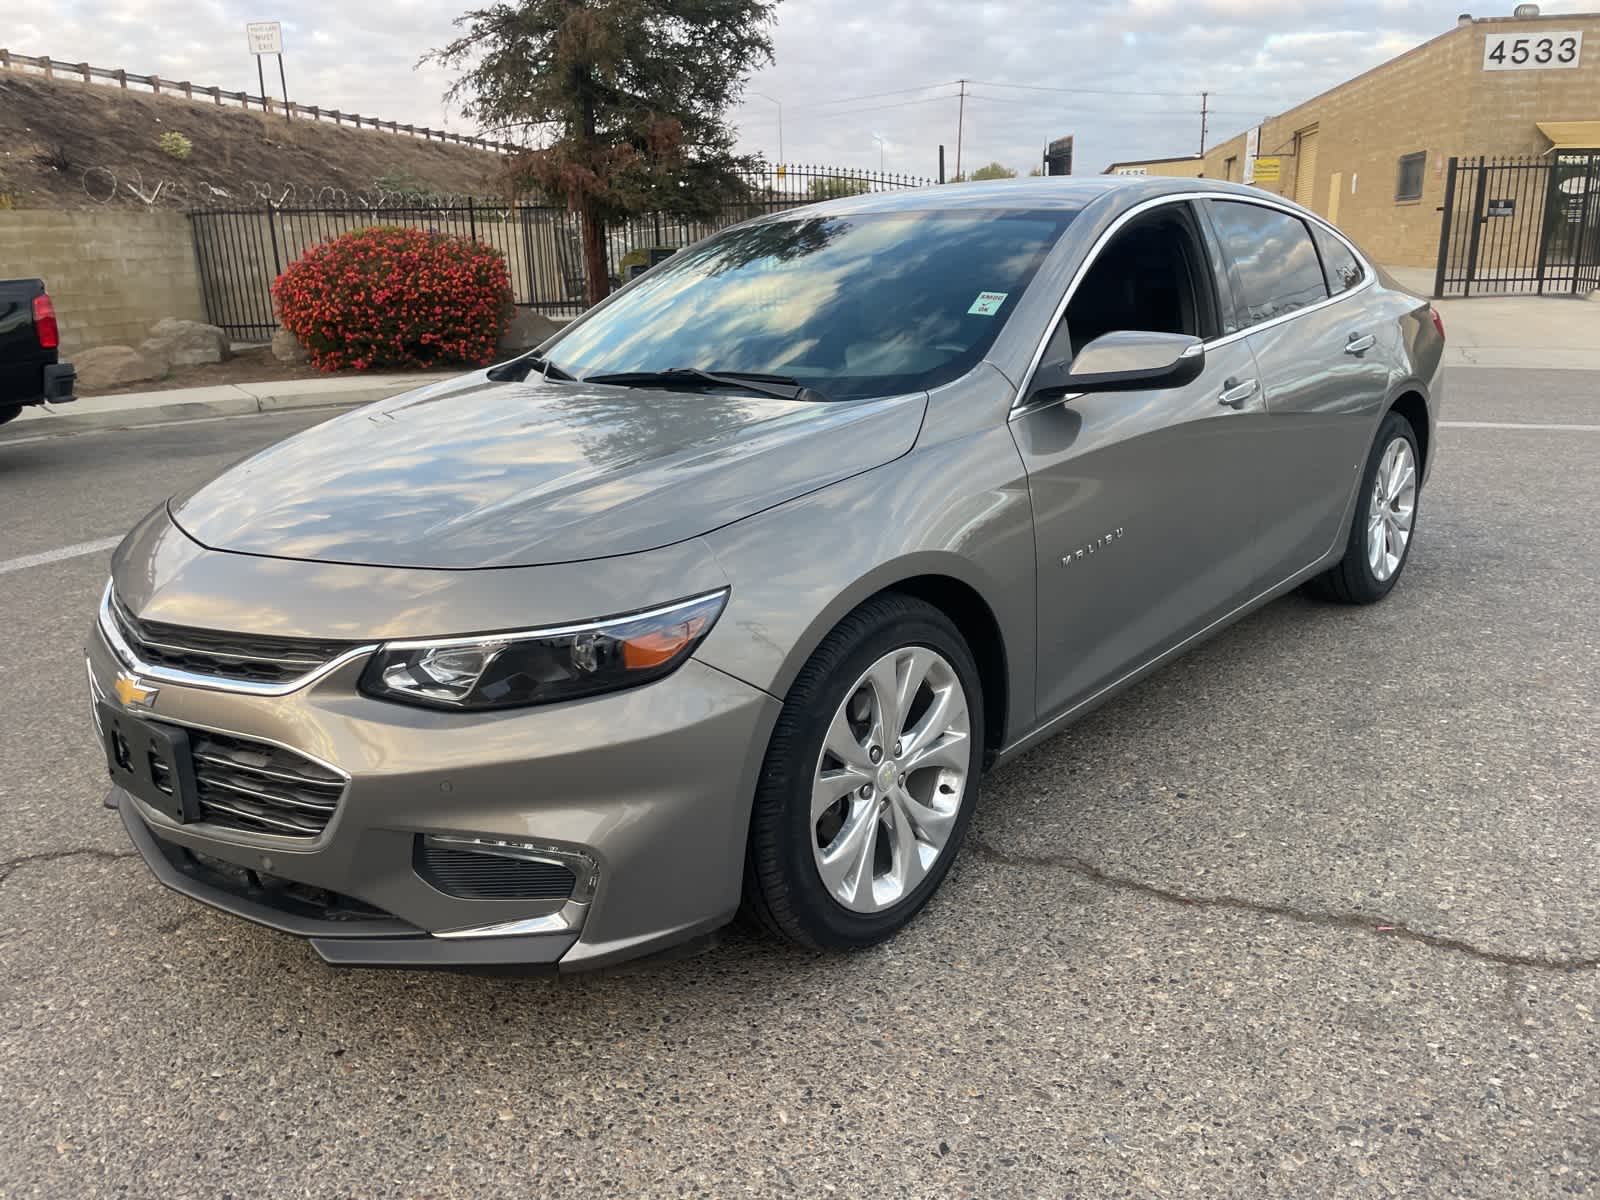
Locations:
(1520, 226)
(240, 251)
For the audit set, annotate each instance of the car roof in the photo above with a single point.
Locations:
(1070, 192)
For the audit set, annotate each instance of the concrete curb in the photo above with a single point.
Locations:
(202, 403)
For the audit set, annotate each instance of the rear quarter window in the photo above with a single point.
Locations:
(1342, 269)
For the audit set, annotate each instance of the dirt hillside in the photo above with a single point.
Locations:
(75, 145)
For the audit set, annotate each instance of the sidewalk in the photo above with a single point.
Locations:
(1540, 332)
(222, 400)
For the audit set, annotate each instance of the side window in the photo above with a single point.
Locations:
(1273, 255)
(1342, 268)
(1151, 276)
(1408, 178)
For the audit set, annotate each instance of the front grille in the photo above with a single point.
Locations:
(244, 784)
(475, 875)
(237, 656)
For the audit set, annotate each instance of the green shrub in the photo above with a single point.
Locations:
(175, 144)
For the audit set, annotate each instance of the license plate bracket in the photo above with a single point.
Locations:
(152, 762)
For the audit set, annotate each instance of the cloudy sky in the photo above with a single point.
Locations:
(856, 79)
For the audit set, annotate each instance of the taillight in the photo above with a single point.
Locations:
(44, 323)
(1438, 321)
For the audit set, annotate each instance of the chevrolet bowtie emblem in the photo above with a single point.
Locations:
(132, 693)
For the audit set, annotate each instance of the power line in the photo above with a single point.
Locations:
(878, 95)
(1035, 87)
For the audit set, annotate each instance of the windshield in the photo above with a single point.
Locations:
(852, 305)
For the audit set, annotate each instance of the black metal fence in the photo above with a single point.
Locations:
(1521, 226)
(240, 251)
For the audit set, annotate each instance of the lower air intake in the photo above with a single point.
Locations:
(491, 873)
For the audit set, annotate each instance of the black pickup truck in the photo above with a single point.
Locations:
(30, 368)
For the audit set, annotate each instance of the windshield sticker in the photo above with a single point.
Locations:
(987, 304)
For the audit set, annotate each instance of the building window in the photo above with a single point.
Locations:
(1409, 185)
(1228, 166)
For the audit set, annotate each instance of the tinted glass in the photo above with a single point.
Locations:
(1277, 263)
(1338, 264)
(859, 305)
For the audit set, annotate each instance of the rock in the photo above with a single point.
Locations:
(286, 348)
(526, 330)
(112, 366)
(178, 343)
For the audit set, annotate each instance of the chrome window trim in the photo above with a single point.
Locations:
(1019, 405)
(214, 683)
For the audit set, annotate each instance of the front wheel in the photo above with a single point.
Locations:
(1385, 519)
(869, 780)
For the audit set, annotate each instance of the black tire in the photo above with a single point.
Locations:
(1351, 580)
(9, 412)
(783, 891)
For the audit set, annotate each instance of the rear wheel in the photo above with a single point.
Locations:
(1385, 519)
(870, 778)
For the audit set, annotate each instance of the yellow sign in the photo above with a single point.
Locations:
(1269, 170)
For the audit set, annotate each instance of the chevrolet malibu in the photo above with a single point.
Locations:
(727, 596)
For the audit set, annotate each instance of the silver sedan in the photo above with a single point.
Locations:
(728, 596)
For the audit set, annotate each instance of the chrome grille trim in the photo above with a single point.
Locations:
(257, 786)
(111, 629)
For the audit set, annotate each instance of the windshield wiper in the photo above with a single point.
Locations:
(781, 386)
(518, 369)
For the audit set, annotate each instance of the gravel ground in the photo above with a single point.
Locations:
(1312, 912)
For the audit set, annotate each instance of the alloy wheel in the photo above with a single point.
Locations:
(1393, 509)
(890, 779)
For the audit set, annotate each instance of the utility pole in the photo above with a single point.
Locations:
(961, 120)
(779, 103)
(1203, 96)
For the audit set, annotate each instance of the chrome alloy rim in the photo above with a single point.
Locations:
(890, 778)
(1393, 509)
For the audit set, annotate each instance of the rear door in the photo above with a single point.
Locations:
(1144, 523)
(1323, 362)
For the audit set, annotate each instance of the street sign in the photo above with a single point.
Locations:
(264, 37)
(1268, 170)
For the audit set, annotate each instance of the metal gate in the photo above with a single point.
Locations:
(1521, 226)
(240, 251)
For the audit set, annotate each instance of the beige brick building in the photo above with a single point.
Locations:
(1370, 154)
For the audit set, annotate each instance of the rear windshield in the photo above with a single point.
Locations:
(852, 305)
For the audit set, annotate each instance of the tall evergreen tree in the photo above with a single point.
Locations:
(623, 102)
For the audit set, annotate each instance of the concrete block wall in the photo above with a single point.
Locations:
(112, 273)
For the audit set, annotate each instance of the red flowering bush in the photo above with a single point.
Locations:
(390, 296)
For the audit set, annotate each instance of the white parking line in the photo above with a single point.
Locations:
(56, 555)
(1519, 425)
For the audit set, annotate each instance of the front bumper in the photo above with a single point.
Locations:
(653, 784)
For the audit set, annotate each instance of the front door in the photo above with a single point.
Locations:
(1144, 513)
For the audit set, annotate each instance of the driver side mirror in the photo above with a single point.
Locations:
(1127, 360)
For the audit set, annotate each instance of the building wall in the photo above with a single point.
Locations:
(112, 273)
(1436, 98)
(1188, 167)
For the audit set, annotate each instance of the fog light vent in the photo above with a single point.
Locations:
(483, 870)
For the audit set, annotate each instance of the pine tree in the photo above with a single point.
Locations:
(623, 102)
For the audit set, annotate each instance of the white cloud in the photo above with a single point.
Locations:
(1254, 56)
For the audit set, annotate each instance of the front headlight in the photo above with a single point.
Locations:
(540, 666)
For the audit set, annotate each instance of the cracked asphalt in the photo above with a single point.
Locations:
(1312, 912)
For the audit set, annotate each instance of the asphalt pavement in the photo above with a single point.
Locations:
(1312, 912)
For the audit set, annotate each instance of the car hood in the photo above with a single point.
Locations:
(475, 473)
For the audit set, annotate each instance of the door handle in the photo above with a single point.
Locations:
(1235, 394)
(1360, 343)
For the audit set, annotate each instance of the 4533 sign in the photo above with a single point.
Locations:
(1522, 52)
